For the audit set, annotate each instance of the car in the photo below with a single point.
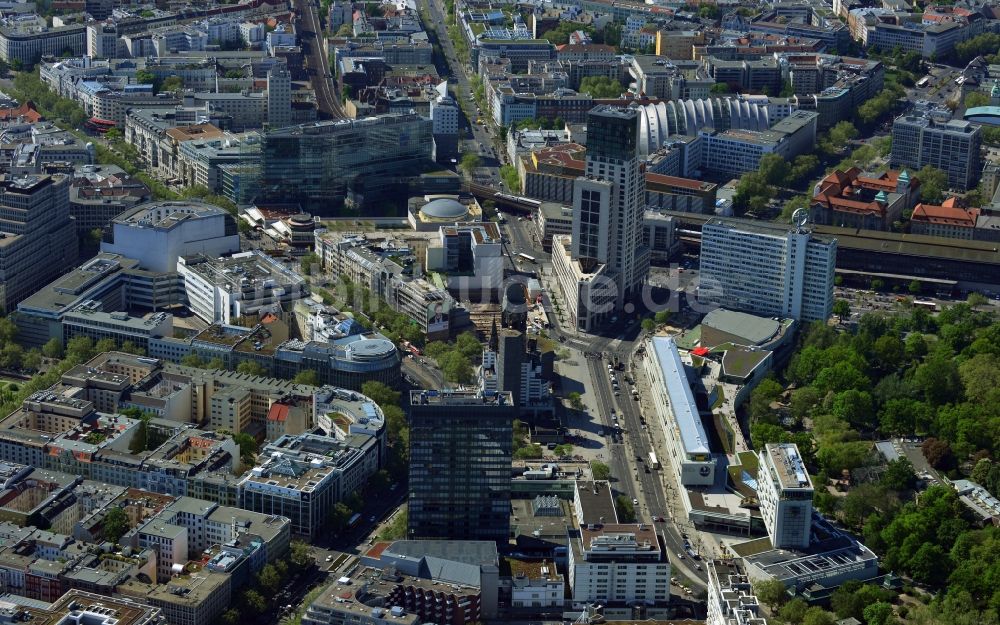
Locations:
(372, 519)
(329, 559)
(659, 519)
(635, 502)
(680, 556)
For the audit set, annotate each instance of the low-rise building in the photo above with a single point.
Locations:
(853, 199)
(618, 564)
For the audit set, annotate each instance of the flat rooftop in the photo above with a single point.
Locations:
(459, 398)
(682, 403)
(788, 466)
(752, 329)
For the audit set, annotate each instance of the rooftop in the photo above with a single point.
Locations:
(731, 324)
(788, 466)
(682, 403)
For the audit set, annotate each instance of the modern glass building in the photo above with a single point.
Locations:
(324, 165)
(460, 464)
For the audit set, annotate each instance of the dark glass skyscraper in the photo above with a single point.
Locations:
(460, 465)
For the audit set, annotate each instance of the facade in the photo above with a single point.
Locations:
(279, 97)
(730, 595)
(99, 193)
(677, 410)
(854, 199)
(738, 151)
(303, 477)
(951, 146)
(37, 236)
(158, 233)
(324, 164)
(614, 563)
(29, 47)
(605, 250)
(786, 495)
(767, 269)
(221, 290)
(947, 220)
(460, 465)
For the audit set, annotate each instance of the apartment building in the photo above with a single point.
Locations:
(618, 563)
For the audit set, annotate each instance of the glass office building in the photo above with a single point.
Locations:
(460, 464)
(324, 165)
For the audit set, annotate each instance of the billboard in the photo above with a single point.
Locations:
(437, 316)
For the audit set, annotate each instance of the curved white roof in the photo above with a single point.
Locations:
(682, 403)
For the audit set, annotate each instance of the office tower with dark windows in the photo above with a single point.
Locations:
(603, 265)
(323, 165)
(460, 464)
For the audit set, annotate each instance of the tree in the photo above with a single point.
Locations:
(662, 317)
(192, 360)
(307, 376)
(933, 183)
(339, 516)
(508, 173)
(255, 601)
(529, 452)
(899, 475)
(231, 616)
(250, 367)
(248, 447)
(380, 393)
(625, 509)
(773, 168)
(171, 84)
(878, 613)
(841, 134)
(817, 616)
(300, 556)
(79, 349)
(938, 453)
(145, 77)
(600, 87)
(31, 360)
(115, 524)
(842, 308)
(719, 87)
(771, 593)
(469, 163)
(600, 471)
(648, 325)
(308, 262)
(575, 400)
(794, 611)
(53, 348)
(269, 579)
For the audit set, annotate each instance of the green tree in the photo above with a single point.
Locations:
(817, 616)
(115, 524)
(248, 447)
(878, 613)
(575, 400)
(625, 509)
(231, 616)
(300, 555)
(192, 360)
(773, 168)
(251, 367)
(469, 163)
(648, 325)
(601, 87)
(662, 317)
(842, 308)
(79, 349)
(899, 475)
(269, 579)
(339, 516)
(307, 376)
(933, 183)
(53, 348)
(529, 452)
(771, 593)
(171, 84)
(508, 173)
(794, 611)
(308, 263)
(841, 134)
(380, 393)
(719, 87)
(600, 471)
(145, 77)
(255, 601)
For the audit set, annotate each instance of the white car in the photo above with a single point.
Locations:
(635, 502)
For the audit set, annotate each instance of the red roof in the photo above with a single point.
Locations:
(26, 110)
(948, 214)
(700, 351)
(278, 412)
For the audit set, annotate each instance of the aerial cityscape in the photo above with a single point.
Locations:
(476, 312)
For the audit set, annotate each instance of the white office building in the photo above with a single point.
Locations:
(767, 269)
(786, 495)
(614, 563)
(604, 264)
(220, 290)
(158, 233)
(675, 407)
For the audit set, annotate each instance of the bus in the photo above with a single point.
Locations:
(653, 462)
(353, 522)
(923, 82)
(526, 258)
(925, 304)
